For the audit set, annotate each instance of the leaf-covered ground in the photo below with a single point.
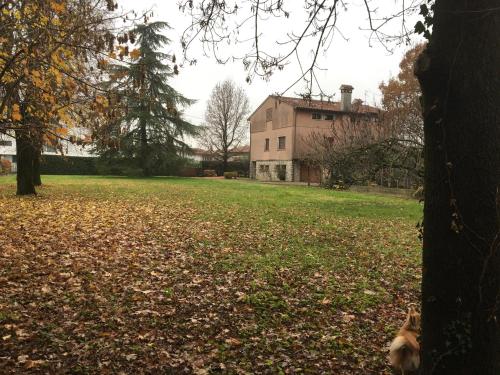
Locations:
(163, 275)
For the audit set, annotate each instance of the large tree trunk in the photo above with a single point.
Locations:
(37, 178)
(25, 156)
(38, 145)
(146, 171)
(460, 78)
(225, 157)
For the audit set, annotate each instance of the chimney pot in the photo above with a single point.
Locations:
(345, 98)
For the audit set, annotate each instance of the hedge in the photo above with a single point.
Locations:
(57, 164)
(243, 168)
(74, 165)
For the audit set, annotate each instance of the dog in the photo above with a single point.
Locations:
(404, 352)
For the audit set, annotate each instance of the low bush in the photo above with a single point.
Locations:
(59, 164)
(209, 173)
(242, 167)
(230, 175)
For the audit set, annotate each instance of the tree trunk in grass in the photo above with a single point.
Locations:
(25, 157)
(460, 78)
(37, 179)
(38, 145)
(225, 157)
(146, 171)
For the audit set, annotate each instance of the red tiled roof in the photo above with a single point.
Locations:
(324, 105)
(241, 149)
(237, 150)
(199, 151)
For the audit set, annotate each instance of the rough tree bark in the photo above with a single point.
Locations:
(460, 78)
(25, 156)
(37, 178)
(225, 158)
(146, 170)
(37, 154)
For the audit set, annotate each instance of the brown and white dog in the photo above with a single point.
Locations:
(404, 352)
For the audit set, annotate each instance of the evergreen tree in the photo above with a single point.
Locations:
(147, 129)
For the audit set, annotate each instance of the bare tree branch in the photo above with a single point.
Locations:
(225, 117)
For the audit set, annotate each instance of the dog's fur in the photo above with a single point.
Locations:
(404, 352)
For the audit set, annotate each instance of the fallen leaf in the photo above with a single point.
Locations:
(233, 341)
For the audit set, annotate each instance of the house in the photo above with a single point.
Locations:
(280, 126)
(240, 153)
(80, 148)
(198, 155)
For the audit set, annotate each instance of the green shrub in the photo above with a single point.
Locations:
(117, 170)
(209, 173)
(230, 175)
(60, 164)
(242, 167)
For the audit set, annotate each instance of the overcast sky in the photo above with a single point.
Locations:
(352, 61)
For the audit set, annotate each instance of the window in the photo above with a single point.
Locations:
(5, 143)
(281, 143)
(269, 114)
(266, 146)
(264, 168)
(281, 172)
(329, 117)
(316, 116)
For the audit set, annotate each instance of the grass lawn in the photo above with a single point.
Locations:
(171, 275)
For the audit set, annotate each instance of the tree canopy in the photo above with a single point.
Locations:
(49, 59)
(146, 124)
(225, 119)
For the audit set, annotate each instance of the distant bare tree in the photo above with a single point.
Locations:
(361, 149)
(387, 149)
(349, 150)
(225, 120)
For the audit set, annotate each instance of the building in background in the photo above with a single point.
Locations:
(280, 127)
(80, 148)
(240, 153)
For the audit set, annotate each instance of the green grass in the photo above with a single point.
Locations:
(311, 202)
(261, 278)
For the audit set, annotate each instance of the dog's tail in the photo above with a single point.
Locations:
(400, 355)
(398, 351)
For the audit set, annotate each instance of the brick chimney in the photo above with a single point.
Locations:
(345, 98)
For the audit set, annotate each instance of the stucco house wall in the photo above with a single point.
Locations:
(272, 120)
